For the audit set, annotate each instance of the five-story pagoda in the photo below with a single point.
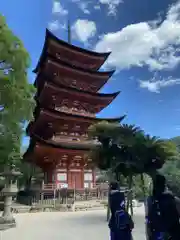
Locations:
(67, 100)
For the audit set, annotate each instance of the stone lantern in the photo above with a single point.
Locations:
(9, 191)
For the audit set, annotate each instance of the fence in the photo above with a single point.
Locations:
(62, 196)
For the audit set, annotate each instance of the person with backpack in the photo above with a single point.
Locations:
(162, 218)
(120, 223)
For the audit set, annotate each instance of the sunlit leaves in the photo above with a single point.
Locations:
(16, 94)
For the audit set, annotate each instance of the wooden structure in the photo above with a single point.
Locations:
(67, 100)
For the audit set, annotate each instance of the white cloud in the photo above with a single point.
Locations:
(155, 85)
(145, 44)
(58, 9)
(97, 7)
(112, 5)
(55, 25)
(84, 29)
(63, 26)
(82, 5)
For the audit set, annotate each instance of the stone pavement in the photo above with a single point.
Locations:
(90, 225)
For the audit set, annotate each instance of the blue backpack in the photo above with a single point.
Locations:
(123, 220)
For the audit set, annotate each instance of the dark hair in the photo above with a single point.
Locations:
(159, 183)
(114, 186)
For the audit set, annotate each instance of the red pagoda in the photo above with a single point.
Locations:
(67, 100)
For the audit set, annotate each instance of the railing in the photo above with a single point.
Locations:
(76, 112)
(64, 137)
(74, 139)
(49, 186)
(46, 198)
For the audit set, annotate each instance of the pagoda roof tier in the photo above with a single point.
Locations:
(55, 115)
(71, 54)
(57, 127)
(48, 154)
(52, 95)
(69, 144)
(63, 73)
(48, 122)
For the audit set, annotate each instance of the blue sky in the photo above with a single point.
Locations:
(144, 37)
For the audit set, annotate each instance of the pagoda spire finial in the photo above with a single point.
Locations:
(69, 32)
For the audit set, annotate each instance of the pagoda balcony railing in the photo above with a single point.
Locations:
(73, 139)
(49, 186)
(74, 111)
(72, 136)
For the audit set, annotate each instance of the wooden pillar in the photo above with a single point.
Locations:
(82, 171)
(68, 172)
(45, 177)
(93, 177)
(82, 177)
(54, 178)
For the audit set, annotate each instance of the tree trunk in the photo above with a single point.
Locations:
(127, 205)
(143, 186)
(118, 177)
(108, 213)
(28, 183)
(130, 196)
(108, 207)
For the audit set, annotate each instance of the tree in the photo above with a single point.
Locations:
(16, 102)
(171, 169)
(113, 153)
(128, 151)
(29, 173)
(16, 94)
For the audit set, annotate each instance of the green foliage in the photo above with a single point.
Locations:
(104, 132)
(171, 169)
(141, 189)
(172, 174)
(16, 94)
(127, 150)
(176, 141)
(29, 173)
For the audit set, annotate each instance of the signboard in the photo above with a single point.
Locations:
(62, 177)
(62, 185)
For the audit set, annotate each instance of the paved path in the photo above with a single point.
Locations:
(67, 226)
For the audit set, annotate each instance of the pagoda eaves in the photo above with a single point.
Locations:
(69, 115)
(71, 54)
(63, 73)
(50, 120)
(44, 153)
(53, 95)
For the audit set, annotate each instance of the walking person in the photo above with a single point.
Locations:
(162, 218)
(120, 223)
